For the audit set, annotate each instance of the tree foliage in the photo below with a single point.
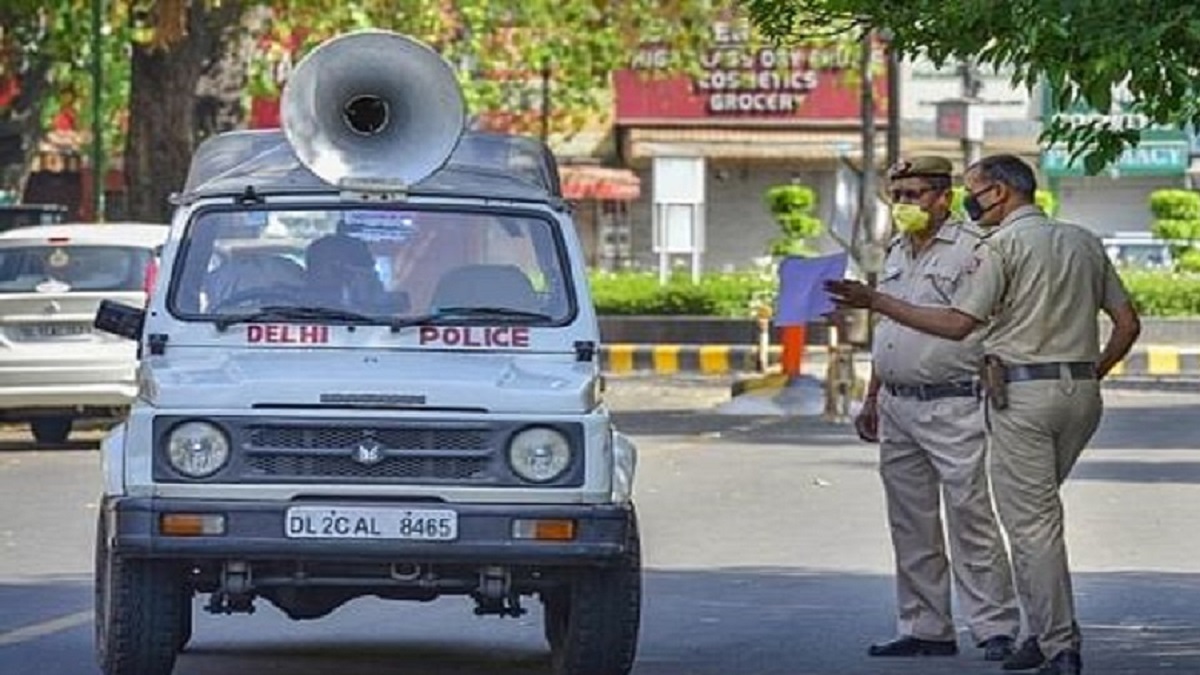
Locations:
(45, 67)
(502, 49)
(1081, 49)
(159, 52)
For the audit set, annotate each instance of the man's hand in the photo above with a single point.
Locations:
(847, 293)
(867, 422)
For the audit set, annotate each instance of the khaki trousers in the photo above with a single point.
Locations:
(930, 450)
(1034, 445)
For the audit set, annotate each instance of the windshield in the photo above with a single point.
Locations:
(377, 265)
(61, 268)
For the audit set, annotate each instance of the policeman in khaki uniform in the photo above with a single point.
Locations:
(923, 405)
(1038, 285)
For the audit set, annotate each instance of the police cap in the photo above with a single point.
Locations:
(926, 166)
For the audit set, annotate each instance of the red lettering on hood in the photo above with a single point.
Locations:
(286, 334)
(494, 337)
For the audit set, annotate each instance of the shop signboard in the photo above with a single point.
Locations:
(1163, 151)
(739, 80)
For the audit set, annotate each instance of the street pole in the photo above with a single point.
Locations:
(98, 181)
(866, 195)
(546, 101)
(893, 93)
(868, 251)
(971, 147)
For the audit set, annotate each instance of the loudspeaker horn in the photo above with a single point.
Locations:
(373, 109)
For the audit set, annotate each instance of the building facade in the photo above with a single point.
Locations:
(712, 141)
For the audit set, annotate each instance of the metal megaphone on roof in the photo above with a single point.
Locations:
(373, 110)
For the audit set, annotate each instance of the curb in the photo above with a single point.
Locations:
(717, 359)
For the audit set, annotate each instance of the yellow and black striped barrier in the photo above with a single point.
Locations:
(668, 359)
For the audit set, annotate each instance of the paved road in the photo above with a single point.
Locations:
(764, 542)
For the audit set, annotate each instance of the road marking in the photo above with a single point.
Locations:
(37, 630)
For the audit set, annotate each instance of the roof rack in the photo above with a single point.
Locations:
(485, 165)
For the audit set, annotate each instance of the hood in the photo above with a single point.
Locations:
(335, 379)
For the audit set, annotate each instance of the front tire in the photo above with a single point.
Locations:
(140, 616)
(592, 624)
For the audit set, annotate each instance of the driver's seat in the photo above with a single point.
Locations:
(486, 286)
(243, 273)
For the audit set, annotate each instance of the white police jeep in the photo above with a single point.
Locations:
(368, 366)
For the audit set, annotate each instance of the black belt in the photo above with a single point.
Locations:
(929, 392)
(1079, 370)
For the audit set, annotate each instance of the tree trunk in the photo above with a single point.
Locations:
(163, 129)
(21, 128)
(219, 105)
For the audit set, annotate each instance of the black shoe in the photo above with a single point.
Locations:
(997, 648)
(911, 646)
(1028, 657)
(1066, 662)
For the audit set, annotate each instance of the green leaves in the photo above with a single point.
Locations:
(1081, 49)
(500, 47)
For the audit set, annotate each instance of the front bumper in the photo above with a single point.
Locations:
(254, 530)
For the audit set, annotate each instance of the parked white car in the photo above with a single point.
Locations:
(55, 367)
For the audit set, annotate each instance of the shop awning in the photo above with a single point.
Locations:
(599, 183)
(742, 143)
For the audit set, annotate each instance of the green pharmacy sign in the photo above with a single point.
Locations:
(1163, 151)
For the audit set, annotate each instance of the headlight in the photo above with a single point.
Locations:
(197, 449)
(539, 454)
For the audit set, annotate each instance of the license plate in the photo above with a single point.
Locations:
(345, 522)
(55, 330)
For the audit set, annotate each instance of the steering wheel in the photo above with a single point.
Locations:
(262, 296)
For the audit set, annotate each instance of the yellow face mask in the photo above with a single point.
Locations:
(909, 218)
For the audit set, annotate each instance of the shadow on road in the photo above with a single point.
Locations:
(703, 622)
(10, 445)
(1130, 425)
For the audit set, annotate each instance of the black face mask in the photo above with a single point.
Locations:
(974, 209)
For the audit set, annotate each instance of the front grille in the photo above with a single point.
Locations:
(335, 467)
(402, 453)
(338, 438)
(380, 450)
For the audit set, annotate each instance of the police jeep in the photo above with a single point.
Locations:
(368, 366)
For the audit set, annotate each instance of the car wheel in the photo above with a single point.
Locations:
(595, 631)
(140, 617)
(51, 430)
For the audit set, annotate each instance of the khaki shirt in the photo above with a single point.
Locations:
(1041, 285)
(934, 276)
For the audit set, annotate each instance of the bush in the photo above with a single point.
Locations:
(1164, 293)
(1175, 205)
(1177, 220)
(735, 294)
(792, 208)
(718, 294)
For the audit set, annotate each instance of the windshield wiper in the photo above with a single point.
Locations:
(508, 313)
(285, 312)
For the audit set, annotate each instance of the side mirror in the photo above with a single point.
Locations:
(120, 319)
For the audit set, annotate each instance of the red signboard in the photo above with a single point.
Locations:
(738, 83)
